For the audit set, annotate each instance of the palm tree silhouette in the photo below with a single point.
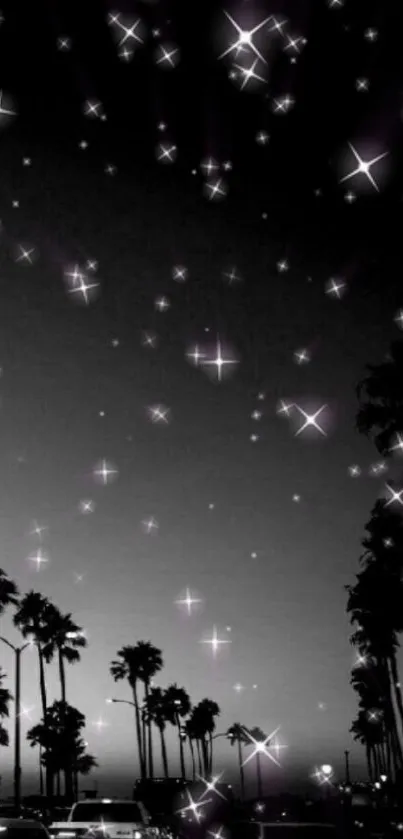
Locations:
(237, 735)
(5, 697)
(380, 416)
(31, 618)
(204, 716)
(62, 637)
(150, 662)
(159, 712)
(128, 666)
(259, 737)
(179, 701)
(9, 595)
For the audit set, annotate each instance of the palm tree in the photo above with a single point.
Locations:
(128, 666)
(61, 742)
(150, 662)
(159, 712)
(5, 697)
(204, 713)
(179, 701)
(31, 618)
(258, 736)
(237, 734)
(381, 414)
(62, 637)
(8, 592)
(82, 764)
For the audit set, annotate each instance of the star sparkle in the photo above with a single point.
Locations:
(396, 496)
(311, 420)
(215, 642)
(162, 304)
(335, 288)
(263, 747)
(26, 254)
(159, 413)
(105, 472)
(150, 525)
(86, 506)
(219, 362)
(364, 167)
(249, 74)
(194, 807)
(215, 190)
(166, 153)
(77, 282)
(39, 559)
(211, 786)
(167, 56)
(179, 273)
(245, 38)
(189, 601)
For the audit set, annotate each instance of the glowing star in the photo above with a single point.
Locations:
(364, 167)
(249, 74)
(149, 340)
(398, 447)
(217, 834)
(254, 438)
(296, 498)
(321, 706)
(219, 362)
(91, 265)
(399, 319)
(277, 26)
(262, 747)
(282, 266)
(26, 161)
(208, 166)
(285, 408)
(211, 786)
(238, 688)
(100, 724)
(188, 601)
(7, 111)
(361, 85)
(227, 166)
(245, 38)
(371, 34)
(168, 55)
(302, 356)
(166, 153)
(179, 273)
(283, 104)
(162, 304)
(78, 284)
(195, 356)
(350, 197)
(92, 108)
(354, 471)
(310, 420)
(63, 44)
(125, 33)
(262, 138)
(194, 807)
(232, 276)
(214, 190)
(38, 529)
(39, 559)
(110, 169)
(253, 555)
(378, 468)
(158, 413)
(105, 472)
(396, 496)
(25, 712)
(215, 641)
(26, 255)
(86, 506)
(256, 415)
(150, 524)
(293, 44)
(336, 288)
(78, 578)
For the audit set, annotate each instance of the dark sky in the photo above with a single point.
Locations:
(260, 522)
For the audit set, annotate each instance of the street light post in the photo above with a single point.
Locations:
(17, 721)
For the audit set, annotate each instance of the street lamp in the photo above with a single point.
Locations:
(17, 723)
(125, 701)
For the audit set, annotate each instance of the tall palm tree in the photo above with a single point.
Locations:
(61, 742)
(64, 638)
(150, 663)
(205, 713)
(128, 666)
(159, 712)
(380, 415)
(5, 697)
(8, 592)
(191, 737)
(259, 737)
(179, 700)
(31, 618)
(237, 735)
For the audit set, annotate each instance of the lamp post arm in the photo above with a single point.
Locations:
(8, 643)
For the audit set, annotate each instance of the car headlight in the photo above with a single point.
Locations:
(137, 835)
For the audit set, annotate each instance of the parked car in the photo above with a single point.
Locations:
(104, 817)
(22, 829)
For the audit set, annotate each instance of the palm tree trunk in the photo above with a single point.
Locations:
(58, 783)
(42, 686)
(241, 770)
(204, 749)
(192, 753)
(259, 776)
(62, 676)
(369, 764)
(150, 736)
(138, 731)
(210, 755)
(181, 749)
(199, 756)
(164, 753)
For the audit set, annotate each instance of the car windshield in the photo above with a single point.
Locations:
(108, 813)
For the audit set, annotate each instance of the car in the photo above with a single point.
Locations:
(14, 828)
(104, 818)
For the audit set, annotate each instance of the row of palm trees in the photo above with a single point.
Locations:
(375, 601)
(62, 748)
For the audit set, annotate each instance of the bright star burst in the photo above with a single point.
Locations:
(193, 807)
(211, 786)
(310, 420)
(105, 472)
(159, 413)
(245, 38)
(77, 282)
(262, 747)
(396, 496)
(249, 74)
(219, 362)
(39, 559)
(188, 601)
(215, 641)
(195, 356)
(364, 167)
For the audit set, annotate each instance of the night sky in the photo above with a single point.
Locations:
(293, 276)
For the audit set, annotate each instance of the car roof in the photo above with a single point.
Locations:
(23, 823)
